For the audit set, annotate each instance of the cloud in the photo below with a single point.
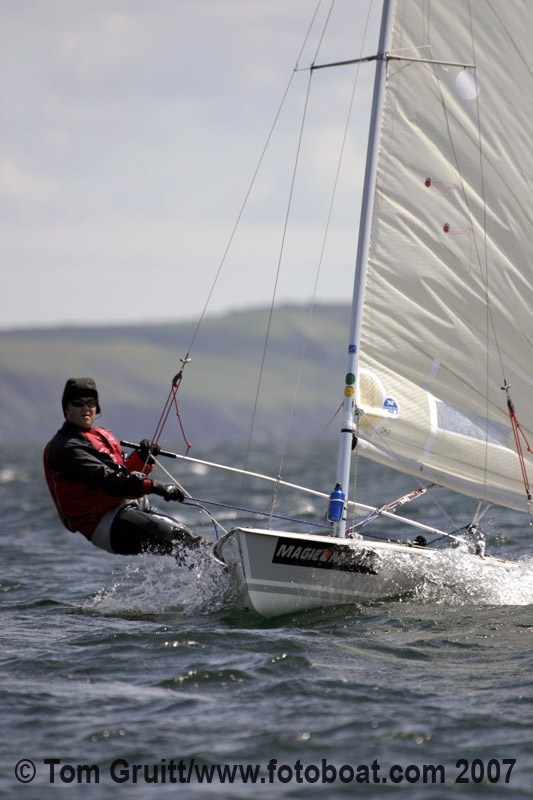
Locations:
(20, 186)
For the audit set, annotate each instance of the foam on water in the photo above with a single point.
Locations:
(456, 580)
(154, 584)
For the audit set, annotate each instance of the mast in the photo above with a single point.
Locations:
(348, 421)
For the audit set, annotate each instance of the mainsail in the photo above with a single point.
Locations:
(449, 296)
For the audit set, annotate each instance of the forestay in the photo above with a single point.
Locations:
(449, 296)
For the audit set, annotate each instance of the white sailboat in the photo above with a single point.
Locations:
(439, 376)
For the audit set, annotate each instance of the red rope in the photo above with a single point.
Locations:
(171, 402)
(517, 430)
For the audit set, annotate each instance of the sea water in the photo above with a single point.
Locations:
(133, 677)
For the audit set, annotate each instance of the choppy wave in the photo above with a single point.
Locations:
(108, 657)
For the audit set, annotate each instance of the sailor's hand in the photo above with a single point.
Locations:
(147, 449)
(168, 490)
(173, 492)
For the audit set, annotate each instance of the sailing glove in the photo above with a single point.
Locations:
(147, 449)
(168, 490)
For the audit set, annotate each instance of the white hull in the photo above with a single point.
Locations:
(279, 572)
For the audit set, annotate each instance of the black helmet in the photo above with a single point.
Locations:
(79, 387)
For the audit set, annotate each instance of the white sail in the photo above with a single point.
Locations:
(449, 294)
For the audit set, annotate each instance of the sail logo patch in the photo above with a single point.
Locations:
(299, 553)
(390, 407)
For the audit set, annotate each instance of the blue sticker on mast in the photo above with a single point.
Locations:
(352, 348)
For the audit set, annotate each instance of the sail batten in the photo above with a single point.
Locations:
(449, 291)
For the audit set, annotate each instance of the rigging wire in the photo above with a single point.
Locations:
(387, 510)
(171, 399)
(361, 506)
(328, 222)
(252, 184)
(279, 265)
(276, 281)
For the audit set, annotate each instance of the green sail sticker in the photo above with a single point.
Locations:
(350, 378)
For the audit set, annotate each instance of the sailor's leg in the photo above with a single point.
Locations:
(137, 531)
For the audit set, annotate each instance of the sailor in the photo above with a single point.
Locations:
(103, 495)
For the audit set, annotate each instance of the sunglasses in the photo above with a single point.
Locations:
(90, 402)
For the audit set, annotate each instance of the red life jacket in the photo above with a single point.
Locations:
(80, 506)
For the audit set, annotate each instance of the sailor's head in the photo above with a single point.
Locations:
(78, 394)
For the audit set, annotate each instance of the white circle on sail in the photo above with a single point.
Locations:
(467, 85)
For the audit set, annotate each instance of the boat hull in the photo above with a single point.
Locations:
(279, 572)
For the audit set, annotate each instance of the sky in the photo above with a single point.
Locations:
(130, 132)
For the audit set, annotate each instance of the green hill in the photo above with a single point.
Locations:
(134, 366)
